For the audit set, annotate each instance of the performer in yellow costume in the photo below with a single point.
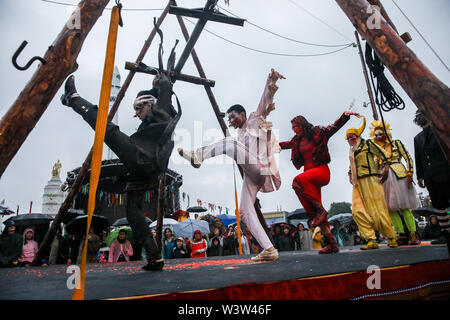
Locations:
(400, 194)
(369, 207)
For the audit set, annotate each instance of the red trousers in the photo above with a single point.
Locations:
(307, 186)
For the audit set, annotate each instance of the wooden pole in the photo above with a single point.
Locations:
(219, 117)
(366, 77)
(25, 112)
(160, 210)
(100, 129)
(431, 96)
(45, 245)
(202, 74)
(238, 220)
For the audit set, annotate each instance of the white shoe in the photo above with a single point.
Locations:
(191, 157)
(266, 256)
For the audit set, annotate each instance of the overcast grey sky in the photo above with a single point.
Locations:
(320, 88)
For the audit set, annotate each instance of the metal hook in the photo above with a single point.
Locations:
(17, 53)
(119, 5)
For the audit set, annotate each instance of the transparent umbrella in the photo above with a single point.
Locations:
(186, 228)
(167, 222)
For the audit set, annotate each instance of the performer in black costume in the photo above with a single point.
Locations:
(145, 153)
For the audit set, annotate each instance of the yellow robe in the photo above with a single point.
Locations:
(369, 207)
(317, 238)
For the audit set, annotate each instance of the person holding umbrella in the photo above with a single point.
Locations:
(93, 246)
(10, 246)
(121, 249)
(286, 240)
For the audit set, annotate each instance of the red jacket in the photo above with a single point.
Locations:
(320, 142)
(199, 248)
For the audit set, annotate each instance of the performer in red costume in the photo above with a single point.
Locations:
(309, 149)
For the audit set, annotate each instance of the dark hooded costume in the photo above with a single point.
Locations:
(145, 153)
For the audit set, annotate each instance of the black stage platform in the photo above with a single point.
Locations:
(237, 277)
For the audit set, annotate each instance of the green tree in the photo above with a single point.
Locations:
(339, 207)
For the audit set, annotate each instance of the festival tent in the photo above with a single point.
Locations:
(227, 219)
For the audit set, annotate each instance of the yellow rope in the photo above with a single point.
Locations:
(100, 128)
(238, 222)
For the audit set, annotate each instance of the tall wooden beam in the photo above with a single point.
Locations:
(61, 56)
(45, 245)
(430, 95)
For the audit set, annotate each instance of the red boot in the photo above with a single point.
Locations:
(331, 244)
(320, 214)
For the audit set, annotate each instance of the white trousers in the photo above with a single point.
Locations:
(253, 181)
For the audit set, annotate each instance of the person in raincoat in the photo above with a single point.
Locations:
(169, 244)
(340, 234)
(29, 248)
(433, 230)
(121, 249)
(286, 240)
(244, 242)
(215, 249)
(93, 246)
(199, 246)
(180, 251)
(10, 246)
(229, 243)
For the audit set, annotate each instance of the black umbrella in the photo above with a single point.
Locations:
(299, 214)
(343, 218)
(72, 214)
(424, 211)
(196, 209)
(5, 210)
(30, 219)
(124, 222)
(213, 222)
(78, 225)
(291, 227)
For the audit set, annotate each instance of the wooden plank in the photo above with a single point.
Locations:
(141, 67)
(210, 16)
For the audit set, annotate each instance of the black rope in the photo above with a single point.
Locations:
(386, 97)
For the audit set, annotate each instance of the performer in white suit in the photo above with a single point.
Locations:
(254, 151)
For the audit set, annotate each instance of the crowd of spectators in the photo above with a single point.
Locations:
(20, 249)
